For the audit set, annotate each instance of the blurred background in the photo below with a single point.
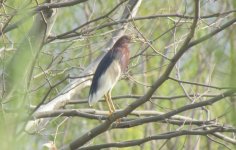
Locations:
(37, 63)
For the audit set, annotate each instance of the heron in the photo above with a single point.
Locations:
(113, 64)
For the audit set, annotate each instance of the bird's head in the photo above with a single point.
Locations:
(124, 40)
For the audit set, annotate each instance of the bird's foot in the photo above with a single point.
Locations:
(118, 121)
(110, 116)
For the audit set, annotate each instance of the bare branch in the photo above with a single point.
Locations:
(72, 33)
(225, 138)
(104, 126)
(206, 37)
(33, 11)
(198, 84)
(176, 111)
(78, 84)
(171, 98)
(58, 5)
(87, 23)
(167, 135)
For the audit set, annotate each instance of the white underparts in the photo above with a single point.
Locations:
(106, 82)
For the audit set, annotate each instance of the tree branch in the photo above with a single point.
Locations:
(125, 122)
(171, 98)
(133, 123)
(58, 5)
(33, 11)
(78, 84)
(101, 115)
(167, 135)
(104, 126)
(72, 33)
(199, 84)
(87, 23)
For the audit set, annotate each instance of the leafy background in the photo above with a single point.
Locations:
(211, 63)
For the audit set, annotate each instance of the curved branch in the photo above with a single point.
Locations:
(200, 84)
(58, 5)
(168, 135)
(225, 138)
(137, 122)
(72, 33)
(104, 126)
(206, 37)
(78, 84)
(86, 23)
(31, 12)
(102, 115)
(121, 97)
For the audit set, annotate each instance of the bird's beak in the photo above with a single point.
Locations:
(135, 39)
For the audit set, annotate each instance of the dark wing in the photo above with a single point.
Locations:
(102, 67)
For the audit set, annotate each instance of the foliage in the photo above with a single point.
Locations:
(38, 64)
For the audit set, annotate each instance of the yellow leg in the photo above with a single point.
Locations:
(112, 106)
(108, 103)
(110, 100)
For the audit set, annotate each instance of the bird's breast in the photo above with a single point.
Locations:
(113, 71)
(108, 80)
(124, 60)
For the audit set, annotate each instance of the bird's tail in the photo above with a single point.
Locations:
(93, 98)
(90, 100)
